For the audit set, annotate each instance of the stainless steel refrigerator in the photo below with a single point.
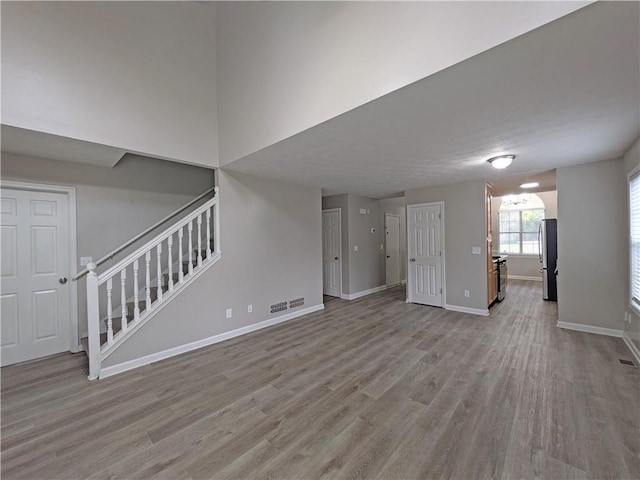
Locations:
(548, 251)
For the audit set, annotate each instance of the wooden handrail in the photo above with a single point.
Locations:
(113, 253)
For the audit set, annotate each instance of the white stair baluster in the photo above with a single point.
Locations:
(216, 222)
(170, 260)
(148, 281)
(190, 228)
(123, 299)
(180, 268)
(136, 299)
(200, 240)
(159, 270)
(208, 233)
(109, 312)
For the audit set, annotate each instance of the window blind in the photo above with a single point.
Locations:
(634, 223)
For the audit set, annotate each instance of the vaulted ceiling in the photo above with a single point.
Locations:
(563, 94)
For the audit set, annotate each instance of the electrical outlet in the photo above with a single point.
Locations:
(84, 261)
(475, 250)
(355, 248)
(229, 313)
(382, 246)
(249, 308)
(466, 293)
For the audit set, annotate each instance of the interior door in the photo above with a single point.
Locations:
(425, 255)
(392, 233)
(331, 253)
(34, 297)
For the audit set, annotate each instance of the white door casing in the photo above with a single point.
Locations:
(392, 243)
(331, 253)
(425, 230)
(38, 317)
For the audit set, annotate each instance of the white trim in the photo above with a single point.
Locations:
(579, 327)
(522, 277)
(442, 244)
(403, 281)
(363, 293)
(339, 210)
(473, 311)
(172, 352)
(632, 346)
(167, 298)
(74, 329)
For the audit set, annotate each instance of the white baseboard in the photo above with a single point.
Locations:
(473, 311)
(579, 327)
(632, 346)
(172, 352)
(353, 296)
(404, 282)
(521, 277)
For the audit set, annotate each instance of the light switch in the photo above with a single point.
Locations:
(84, 261)
(475, 250)
(355, 248)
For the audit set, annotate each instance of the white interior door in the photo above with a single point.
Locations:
(34, 297)
(425, 255)
(331, 253)
(392, 234)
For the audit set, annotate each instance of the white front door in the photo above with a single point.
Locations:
(392, 235)
(331, 253)
(425, 255)
(34, 296)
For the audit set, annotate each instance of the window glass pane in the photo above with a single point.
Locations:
(634, 228)
(531, 220)
(530, 243)
(509, 243)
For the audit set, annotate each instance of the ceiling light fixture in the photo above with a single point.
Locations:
(530, 185)
(503, 161)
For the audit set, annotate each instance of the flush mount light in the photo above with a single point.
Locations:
(503, 161)
(530, 185)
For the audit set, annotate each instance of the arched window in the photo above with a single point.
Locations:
(520, 217)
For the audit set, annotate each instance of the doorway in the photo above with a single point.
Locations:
(392, 243)
(37, 298)
(425, 245)
(332, 252)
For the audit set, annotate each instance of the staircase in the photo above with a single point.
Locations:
(141, 284)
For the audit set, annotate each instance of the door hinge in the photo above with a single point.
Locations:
(440, 252)
(440, 291)
(440, 216)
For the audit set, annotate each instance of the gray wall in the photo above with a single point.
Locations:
(523, 265)
(592, 244)
(340, 201)
(271, 239)
(135, 75)
(366, 269)
(465, 227)
(396, 206)
(113, 204)
(632, 330)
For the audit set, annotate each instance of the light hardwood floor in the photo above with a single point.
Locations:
(372, 388)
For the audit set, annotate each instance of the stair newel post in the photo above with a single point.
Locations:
(109, 311)
(170, 260)
(93, 322)
(159, 270)
(123, 299)
(208, 233)
(180, 268)
(190, 229)
(136, 299)
(147, 287)
(200, 240)
(216, 222)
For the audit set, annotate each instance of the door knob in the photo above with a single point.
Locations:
(388, 256)
(63, 280)
(336, 258)
(413, 259)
